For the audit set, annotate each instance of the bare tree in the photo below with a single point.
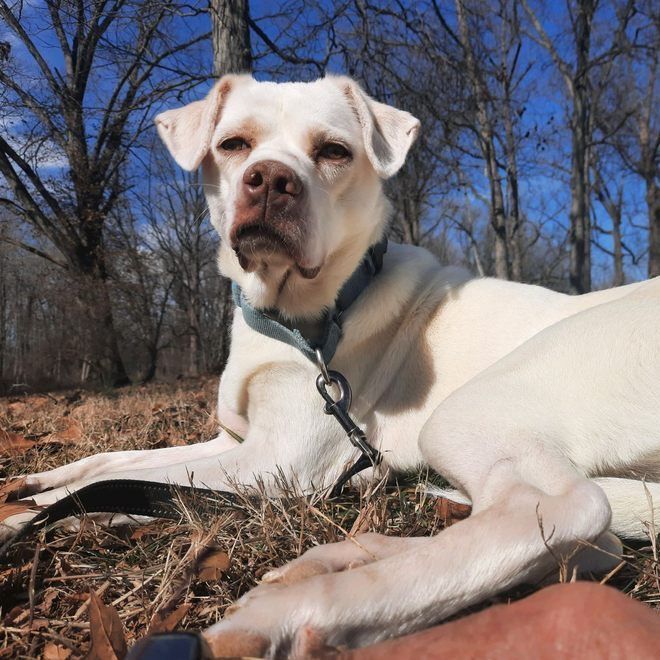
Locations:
(576, 72)
(628, 121)
(87, 116)
(231, 54)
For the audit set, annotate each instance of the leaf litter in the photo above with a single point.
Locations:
(93, 591)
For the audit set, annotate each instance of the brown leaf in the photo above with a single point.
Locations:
(108, 641)
(11, 489)
(451, 512)
(16, 408)
(68, 432)
(13, 444)
(49, 597)
(55, 652)
(212, 565)
(162, 622)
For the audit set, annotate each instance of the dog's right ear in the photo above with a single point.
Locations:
(187, 131)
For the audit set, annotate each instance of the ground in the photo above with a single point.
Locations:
(178, 574)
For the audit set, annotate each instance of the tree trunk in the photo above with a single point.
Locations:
(653, 205)
(231, 36)
(231, 54)
(487, 146)
(580, 217)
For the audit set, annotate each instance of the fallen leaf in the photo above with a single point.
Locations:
(212, 565)
(55, 652)
(11, 489)
(108, 641)
(13, 614)
(47, 601)
(68, 432)
(162, 622)
(451, 512)
(38, 624)
(16, 408)
(13, 444)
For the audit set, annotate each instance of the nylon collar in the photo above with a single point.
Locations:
(269, 323)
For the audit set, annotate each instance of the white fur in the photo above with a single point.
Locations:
(516, 394)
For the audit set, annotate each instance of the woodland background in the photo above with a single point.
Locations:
(537, 161)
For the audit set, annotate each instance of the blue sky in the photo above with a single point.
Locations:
(540, 187)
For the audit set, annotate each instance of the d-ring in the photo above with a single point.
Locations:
(322, 366)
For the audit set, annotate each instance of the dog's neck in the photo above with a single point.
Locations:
(316, 339)
(305, 301)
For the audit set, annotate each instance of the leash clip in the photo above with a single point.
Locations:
(339, 408)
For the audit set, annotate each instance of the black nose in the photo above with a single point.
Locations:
(271, 178)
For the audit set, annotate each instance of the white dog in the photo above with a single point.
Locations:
(543, 409)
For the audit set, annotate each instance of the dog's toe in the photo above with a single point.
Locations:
(297, 570)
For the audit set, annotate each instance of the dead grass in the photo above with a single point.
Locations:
(186, 573)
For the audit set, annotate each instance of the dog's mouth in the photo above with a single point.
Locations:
(259, 245)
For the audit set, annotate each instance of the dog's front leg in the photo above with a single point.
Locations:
(518, 533)
(107, 464)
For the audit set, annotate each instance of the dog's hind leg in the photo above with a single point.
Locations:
(635, 506)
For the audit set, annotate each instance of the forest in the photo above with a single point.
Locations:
(537, 160)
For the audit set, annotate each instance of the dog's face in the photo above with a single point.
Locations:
(292, 175)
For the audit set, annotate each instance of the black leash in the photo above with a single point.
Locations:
(125, 496)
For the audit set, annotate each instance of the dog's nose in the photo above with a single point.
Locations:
(272, 179)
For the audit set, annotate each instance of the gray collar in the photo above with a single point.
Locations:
(269, 322)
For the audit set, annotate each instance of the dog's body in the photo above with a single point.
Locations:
(542, 408)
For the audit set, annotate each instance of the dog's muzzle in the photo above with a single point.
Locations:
(270, 218)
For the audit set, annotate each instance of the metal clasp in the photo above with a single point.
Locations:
(339, 408)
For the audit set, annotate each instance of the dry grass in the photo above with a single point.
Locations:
(173, 568)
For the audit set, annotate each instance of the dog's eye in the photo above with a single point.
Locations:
(234, 144)
(334, 151)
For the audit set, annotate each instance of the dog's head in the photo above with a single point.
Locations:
(292, 175)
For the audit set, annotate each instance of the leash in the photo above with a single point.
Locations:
(159, 500)
(126, 496)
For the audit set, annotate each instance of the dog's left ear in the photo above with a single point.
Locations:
(388, 133)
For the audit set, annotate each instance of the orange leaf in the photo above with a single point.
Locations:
(108, 642)
(213, 565)
(55, 652)
(162, 622)
(11, 489)
(450, 512)
(13, 444)
(68, 432)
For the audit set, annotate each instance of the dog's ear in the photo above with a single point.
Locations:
(187, 131)
(388, 133)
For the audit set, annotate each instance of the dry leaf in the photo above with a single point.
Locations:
(47, 601)
(16, 408)
(108, 641)
(11, 489)
(213, 565)
(55, 652)
(162, 622)
(145, 530)
(68, 432)
(450, 512)
(13, 444)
